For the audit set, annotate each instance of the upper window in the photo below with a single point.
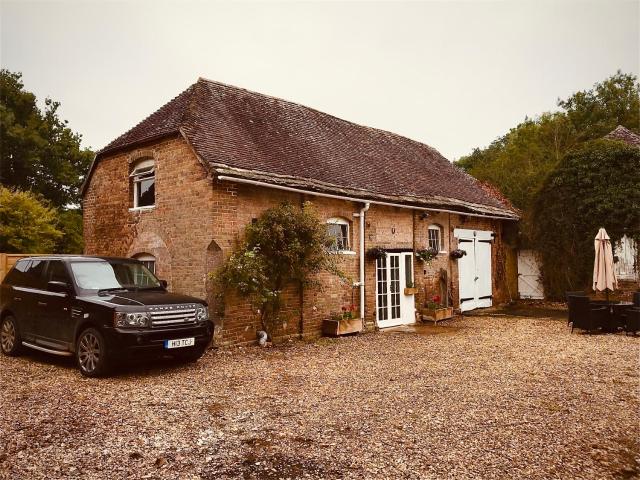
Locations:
(435, 237)
(143, 178)
(338, 230)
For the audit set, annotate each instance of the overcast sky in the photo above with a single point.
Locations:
(454, 75)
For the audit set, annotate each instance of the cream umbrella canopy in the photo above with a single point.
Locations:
(604, 277)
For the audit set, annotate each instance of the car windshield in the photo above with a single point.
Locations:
(106, 275)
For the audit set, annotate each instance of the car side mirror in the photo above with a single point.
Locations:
(58, 287)
(163, 283)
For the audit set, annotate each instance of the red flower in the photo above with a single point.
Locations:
(344, 309)
(353, 307)
(436, 298)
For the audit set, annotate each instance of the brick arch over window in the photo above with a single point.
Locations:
(151, 243)
(141, 155)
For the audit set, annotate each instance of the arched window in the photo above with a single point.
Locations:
(147, 260)
(435, 237)
(143, 181)
(338, 229)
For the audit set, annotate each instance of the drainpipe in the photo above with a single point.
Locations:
(362, 255)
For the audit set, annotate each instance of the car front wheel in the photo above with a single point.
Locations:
(91, 353)
(10, 341)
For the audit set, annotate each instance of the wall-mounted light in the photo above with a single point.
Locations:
(423, 216)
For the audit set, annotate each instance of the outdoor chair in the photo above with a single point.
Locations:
(632, 320)
(585, 316)
(569, 296)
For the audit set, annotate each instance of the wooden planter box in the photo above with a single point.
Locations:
(410, 290)
(335, 328)
(437, 314)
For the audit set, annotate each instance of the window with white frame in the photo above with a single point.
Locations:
(149, 261)
(338, 230)
(435, 237)
(143, 180)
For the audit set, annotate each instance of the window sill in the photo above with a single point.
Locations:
(344, 252)
(142, 209)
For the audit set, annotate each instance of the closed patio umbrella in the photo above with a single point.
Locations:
(604, 277)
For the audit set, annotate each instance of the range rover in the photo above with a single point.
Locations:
(102, 310)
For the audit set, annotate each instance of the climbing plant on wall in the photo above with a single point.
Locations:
(286, 246)
(595, 185)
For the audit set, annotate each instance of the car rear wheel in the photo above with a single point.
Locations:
(91, 353)
(10, 341)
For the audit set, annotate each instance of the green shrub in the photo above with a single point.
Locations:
(285, 246)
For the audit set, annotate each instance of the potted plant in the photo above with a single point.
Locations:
(457, 253)
(376, 252)
(427, 254)
(410, 289)
(344, 323)
(435, 312)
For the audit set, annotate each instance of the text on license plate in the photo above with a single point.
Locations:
(180, 342)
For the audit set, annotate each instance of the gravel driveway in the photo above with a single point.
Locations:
(489, 397)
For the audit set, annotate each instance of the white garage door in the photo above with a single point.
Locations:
(474, 269)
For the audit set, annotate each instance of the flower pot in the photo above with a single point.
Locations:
(344, 326)
(436, 314)
(410, 290)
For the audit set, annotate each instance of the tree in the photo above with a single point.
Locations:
(596, 112)
(27, 225)
(70, 223)
(39, 152)
(286, 246)
(519, 162)
(595, 185)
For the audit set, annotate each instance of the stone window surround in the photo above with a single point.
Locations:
(343, 221)
(440, 230)
(138, 157)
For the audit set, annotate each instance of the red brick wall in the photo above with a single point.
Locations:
(197, 221)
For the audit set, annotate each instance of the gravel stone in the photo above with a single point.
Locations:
(475, 397)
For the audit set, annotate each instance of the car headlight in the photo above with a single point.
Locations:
(131, 319)
(202, 313)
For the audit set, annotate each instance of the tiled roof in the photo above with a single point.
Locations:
(248, 135)
(625, 135)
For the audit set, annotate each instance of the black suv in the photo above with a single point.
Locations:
(102, 310)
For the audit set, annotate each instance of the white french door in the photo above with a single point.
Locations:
(393, 272)
(474, 269)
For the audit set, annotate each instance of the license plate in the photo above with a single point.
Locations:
(180, 342)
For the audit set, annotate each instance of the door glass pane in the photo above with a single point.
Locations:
(394, 284)
(408, 269)
(381, 275)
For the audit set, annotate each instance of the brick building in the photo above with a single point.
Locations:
(177, 189)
